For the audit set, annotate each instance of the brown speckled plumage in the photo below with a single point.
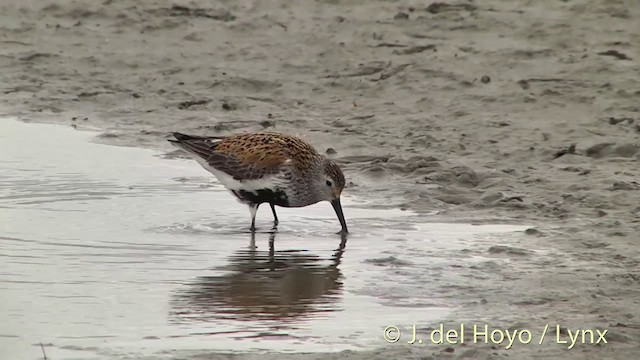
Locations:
(276, 168)
(268, 149)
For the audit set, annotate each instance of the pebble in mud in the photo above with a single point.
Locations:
(375, 170)
(108, 135)
(533, 231)
(509, 250)
(618, 120)
(600, 213)
(267, 123)
(190, 103)
(228, 107)
(615, 54)
(571, 149)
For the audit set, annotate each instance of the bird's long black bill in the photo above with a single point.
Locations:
(338, 208)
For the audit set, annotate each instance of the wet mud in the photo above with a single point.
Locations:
(117, 251)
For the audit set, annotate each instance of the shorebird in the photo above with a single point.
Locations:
(268, 167)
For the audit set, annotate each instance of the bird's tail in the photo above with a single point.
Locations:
(201, 146)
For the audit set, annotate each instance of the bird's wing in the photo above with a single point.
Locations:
(244, 157)
(240, 171)
(269, 150)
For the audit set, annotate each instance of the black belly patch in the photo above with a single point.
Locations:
(276, 197)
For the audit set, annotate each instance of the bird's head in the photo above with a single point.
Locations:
(331, 182)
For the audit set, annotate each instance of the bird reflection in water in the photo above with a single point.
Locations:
(286, 286)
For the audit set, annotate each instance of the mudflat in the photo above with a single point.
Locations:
(487, 111)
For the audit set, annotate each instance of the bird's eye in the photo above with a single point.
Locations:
(328, 183)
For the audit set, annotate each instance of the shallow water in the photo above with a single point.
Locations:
(110, 252)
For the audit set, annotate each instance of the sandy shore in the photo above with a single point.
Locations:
(517, 111)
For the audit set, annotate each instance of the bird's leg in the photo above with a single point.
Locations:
(254, 210)
(275, 217)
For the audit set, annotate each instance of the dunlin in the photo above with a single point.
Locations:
(267, 167)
